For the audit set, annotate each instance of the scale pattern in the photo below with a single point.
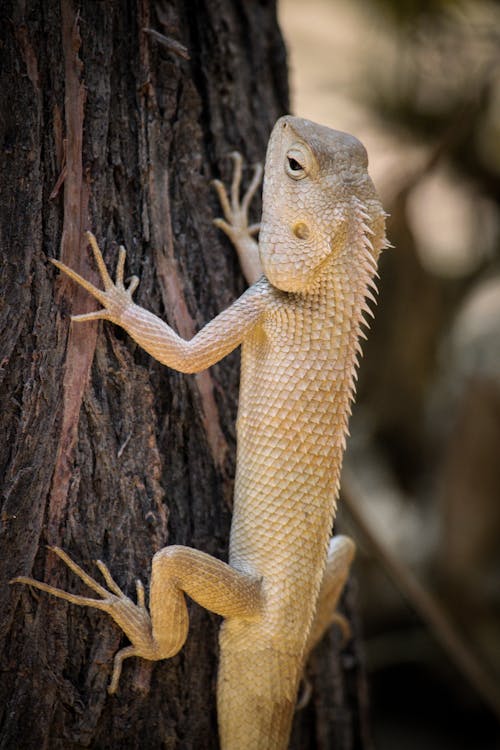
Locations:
(321, 233)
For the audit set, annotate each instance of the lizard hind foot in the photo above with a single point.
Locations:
(132, 618)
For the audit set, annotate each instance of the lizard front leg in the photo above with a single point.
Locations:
(161, 632)
(235, 222)
(219, 337)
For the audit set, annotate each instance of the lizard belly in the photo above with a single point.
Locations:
(289, 451)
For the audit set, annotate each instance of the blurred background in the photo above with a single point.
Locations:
(419, 83)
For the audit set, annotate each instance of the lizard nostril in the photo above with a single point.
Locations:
(301, 230)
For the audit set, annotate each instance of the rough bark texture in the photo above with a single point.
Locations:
(105, 452)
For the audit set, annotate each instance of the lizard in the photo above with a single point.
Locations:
(312, 275)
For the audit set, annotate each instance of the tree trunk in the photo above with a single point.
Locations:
(107, 453)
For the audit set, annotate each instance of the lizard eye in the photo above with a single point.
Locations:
(296, 163)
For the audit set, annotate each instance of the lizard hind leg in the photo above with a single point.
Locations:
(161, 632)
(132, 618)
(340, 555)
(179, 570)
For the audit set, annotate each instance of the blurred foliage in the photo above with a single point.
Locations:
(439, 89)
(443, 87)
(431, 380)
(409, 11)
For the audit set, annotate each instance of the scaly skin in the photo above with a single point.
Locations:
(321, 233)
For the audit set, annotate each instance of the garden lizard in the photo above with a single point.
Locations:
(299, 324)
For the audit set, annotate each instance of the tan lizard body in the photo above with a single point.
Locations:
(321, 233)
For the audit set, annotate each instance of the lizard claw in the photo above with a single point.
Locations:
(305, 694)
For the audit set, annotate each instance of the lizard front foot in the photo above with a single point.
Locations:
(132, 618)
(115, 298)
(235, 222)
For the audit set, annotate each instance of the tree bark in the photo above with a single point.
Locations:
(106, 453)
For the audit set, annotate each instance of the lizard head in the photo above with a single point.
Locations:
(314, 179)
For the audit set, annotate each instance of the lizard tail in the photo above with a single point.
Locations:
(257, 691)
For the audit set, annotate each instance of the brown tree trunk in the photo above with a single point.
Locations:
(106, 453)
